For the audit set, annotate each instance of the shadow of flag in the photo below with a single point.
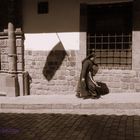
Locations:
(54, 61)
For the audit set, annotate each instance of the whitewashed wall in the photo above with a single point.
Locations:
(47, 41)
(43, 32)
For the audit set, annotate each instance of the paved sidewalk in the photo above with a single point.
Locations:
(69, 127)
(113, 103)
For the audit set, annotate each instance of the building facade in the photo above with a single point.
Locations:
(52, 38)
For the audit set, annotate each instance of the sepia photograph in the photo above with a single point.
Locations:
(69, 69)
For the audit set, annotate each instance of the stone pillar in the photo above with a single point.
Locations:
(12, 78)
(12, 56)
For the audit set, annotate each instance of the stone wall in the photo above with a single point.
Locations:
(7, 83)
(55, 72)
(50, 76)
(4, 66)
(120, 80)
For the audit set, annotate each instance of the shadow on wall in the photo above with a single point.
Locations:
(54, 61)
(27, 83)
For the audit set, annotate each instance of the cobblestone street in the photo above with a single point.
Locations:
(68, 127)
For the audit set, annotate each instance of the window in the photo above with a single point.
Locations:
(43, 7)
(110, 34)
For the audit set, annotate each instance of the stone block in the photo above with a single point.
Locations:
(137, 87)
(20, 67)
(125, 86)
(62, 106)
(4, 58)
(38, 106)
(12, 86)
(3, 50)
(19, 58)
(19, 50)
(3, 42)
(19, 42)
(4, 66)
(11, 106)
(2, 83)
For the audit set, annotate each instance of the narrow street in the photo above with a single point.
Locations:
(68, 127)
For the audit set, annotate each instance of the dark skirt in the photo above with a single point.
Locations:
(86, 88)
(91, 87)
(82, 89)
(91, 90)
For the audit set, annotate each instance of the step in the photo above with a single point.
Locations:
(113, 103)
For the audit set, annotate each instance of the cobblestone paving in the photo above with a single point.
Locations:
(68, 127)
